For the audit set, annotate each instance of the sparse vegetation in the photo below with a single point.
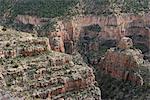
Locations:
(41, 8)
(107, 7)
(30, 70)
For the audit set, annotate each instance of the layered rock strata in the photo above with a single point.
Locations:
(112, 28)
(38, 73)
(14, 44)
(124, 62)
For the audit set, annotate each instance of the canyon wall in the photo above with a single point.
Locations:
(112, 29)
(26, 19)
(76, 35)
(30, 70)
(93, 44)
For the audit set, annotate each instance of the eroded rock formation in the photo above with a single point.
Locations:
(26, 19)
(14, 45)
(112, 28)
(30, 70)
(91, 36)
(124, 62)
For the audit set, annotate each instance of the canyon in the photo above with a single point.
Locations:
(74, 49)
(114, 48)
(112, 28)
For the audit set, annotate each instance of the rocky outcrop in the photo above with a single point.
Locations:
(113, 28)
(26, 19)
(33, 71)
(57, 44)
(13, 45)
(5, 95)
(123, 62)
(139, 32)
(74, 33)
(125, 43)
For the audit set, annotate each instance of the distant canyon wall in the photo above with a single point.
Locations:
(113, 27)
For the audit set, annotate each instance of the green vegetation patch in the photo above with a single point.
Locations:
(107, 7)
(41, 8)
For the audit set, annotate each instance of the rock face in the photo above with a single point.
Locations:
(26, 19)
(14, 45)
(5, 95)
(33, 71)
(92, 36)
(125, 43)
(123, 62)
(57, 43)
(139, 31)
(112, 28)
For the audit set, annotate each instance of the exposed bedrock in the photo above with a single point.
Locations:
(123, 62)
(124, 73)
(102, 31)
(110, 44)
(30, 70)
(112, 27)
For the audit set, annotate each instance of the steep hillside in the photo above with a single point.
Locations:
(64, 45)
(107, 7)
(64, 9)
(57, 8)
(30, 70)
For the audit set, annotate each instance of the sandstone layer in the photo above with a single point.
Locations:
(92, 35)
(111, 28)
(30, 70)
(123, 62)
(124, 73)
